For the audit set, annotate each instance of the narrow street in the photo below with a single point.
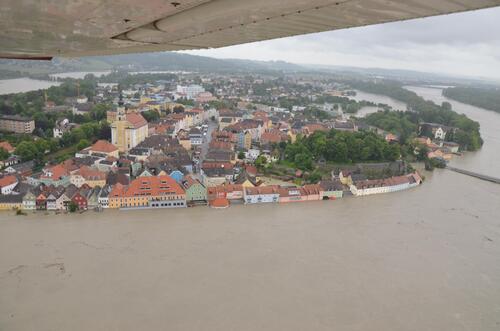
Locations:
(212, 126)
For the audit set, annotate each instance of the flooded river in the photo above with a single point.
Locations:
(487, 159)
(423, 259)
(18, 85)
(377, 99)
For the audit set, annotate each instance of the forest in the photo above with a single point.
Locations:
(468, 136)
(487, 98)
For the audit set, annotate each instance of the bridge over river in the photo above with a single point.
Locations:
(474, 174)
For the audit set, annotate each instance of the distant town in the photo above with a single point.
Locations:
(185, 139)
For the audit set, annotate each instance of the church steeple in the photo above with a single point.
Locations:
(121, 109)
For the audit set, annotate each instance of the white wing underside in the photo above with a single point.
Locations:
(46, 28)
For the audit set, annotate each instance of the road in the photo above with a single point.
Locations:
(212, 126)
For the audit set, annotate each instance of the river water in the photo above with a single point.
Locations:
(423, 259)
(80, 74)
(377, 99)
(487, 159)
(18, 85)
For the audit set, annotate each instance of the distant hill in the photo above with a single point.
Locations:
(141, 62)
(166, 61)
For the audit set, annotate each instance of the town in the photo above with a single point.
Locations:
(191, 139)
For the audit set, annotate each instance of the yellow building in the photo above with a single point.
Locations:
(145, 99)
(148, 192)
(11, 202)
(247, 140)
(128, 130)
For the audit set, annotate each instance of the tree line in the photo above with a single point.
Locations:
(421, 110)
(339, 147)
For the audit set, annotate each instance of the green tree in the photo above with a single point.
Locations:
(261, 161)
(72, 207)
(314, 177)
(4, 154)
(151, 115)
(27, 151)
(82, 144)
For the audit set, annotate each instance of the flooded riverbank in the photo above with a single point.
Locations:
(377, 99)
(420, 259)
(18, 85)
(351, 264)
(487, 159)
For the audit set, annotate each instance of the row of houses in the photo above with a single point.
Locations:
(162, 192)
(221, 196)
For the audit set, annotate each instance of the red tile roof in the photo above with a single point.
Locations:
(224, 145)
(91, 174)
(57, 171)
(219, 203)
(251, 170)
(103, 146)
(7, 180)
(7, 146)
(117, 191)
(154, 186)
(136, 120)
(214, 164)
(271, 189)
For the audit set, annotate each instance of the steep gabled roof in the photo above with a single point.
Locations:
(136, 120)
(103, 146)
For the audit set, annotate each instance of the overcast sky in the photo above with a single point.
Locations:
(465, 44)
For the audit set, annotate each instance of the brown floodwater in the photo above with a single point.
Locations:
(423, 259)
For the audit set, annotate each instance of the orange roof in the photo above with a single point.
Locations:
(226, 145)
(228, 188)
(136, 120)
(312, 189)
(103, 146)
(251, 170)
(153, 186)
(313, 127)
(7, 146)
(7, 180)
(57, 171)
(117, 191)
(215, 164)
(271, 189)
(219, 203)
(91, 174)
(270, 137)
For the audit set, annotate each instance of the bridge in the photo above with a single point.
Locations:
(475, 174)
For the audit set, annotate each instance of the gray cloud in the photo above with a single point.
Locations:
(459, 44)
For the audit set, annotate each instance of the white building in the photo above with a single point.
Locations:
(440, 133)
(190, 91)
(261, 194)
(7, 184)
(378, 186)
(252, 154)
(82, 99)
(103, 199)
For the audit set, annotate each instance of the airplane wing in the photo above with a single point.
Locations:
(46, 28)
